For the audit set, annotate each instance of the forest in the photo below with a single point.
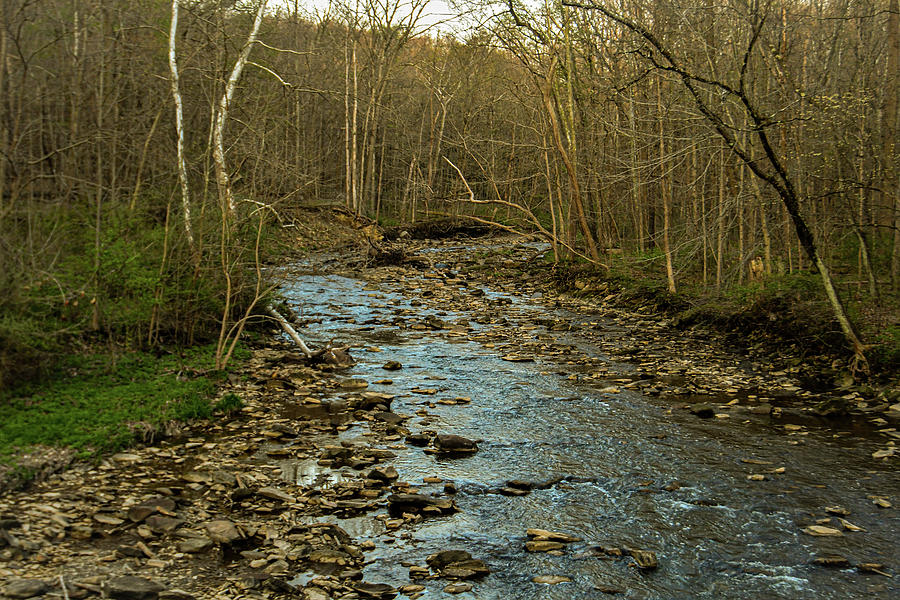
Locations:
(359, 299)
(145, 145)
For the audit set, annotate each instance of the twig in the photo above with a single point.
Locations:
(62, 584)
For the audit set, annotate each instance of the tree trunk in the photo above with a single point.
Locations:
(179, 129)
(889, 134)
(664, 188)
(223, 181)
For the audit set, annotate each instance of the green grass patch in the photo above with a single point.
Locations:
(101, 403)
(229, 404)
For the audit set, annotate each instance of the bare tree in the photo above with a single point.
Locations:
(179, 127)
(772, 169)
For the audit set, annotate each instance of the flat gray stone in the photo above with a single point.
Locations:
(223, 532)
(194, 545)
(128, 587)
(25, 588)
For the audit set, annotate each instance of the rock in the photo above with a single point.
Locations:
(222, 532)
(385, 474)
(106, 519)
(704, 411)
(833, 561)
(872, 568)
(330, 557)
(551, 579)
(176, 595)
(833, 407)
(375, 590)
(848, 526)
(458, 588)
(416, 572)
(416, 503)
(276, 494)
(391, 365)
(454, 444)
(447, 557)
(418, 439)
(519, 484)
(312, 593)
(25, 588)
(388, 417)
(163, 525)
(128, 587)
(370, 400)
(543, 546)
(644, 559)
(141, 511)
(409, 590)
(553, 536)
(821, 530)
(194, 545)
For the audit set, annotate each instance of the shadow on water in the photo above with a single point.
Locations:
(626, 472)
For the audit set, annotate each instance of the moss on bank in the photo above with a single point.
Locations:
(102, 402)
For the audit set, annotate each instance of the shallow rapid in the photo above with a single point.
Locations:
(612, 467)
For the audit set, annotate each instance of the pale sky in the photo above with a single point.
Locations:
(437, 11)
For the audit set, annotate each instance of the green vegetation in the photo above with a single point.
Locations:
(229, 403)
(788, 306)
(885, 355)
(102, 402)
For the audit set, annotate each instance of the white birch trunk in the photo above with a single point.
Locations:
(179, 127)
(223, 183)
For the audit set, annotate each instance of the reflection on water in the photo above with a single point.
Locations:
(627, 473)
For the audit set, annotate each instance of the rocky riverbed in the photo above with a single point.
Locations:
(492, 440)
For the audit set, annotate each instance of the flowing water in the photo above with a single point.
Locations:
(606, 459)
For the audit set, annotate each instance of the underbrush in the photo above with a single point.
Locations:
(135, 284)
(105, 402)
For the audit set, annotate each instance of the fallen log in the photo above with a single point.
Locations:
(288, 329)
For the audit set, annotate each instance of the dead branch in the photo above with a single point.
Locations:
(524, 210)
(289, 329)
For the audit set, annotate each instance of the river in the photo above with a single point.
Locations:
(722, 502)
